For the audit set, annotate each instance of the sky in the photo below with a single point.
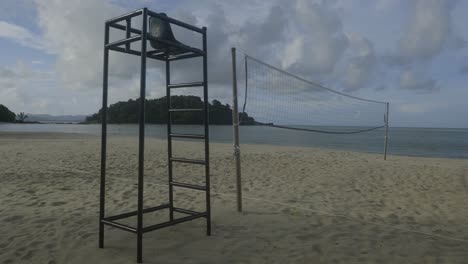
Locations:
(411, 53)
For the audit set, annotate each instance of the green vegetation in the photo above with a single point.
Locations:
(156, 112)
(21, 117)
(6, 115)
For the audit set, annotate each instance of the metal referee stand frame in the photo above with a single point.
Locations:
(167, 50)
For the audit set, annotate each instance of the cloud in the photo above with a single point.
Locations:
(360, 66)
(6, 74)
(428, 33)
(318, 42)
(20, 35)
(18, 86)
(409, 80)
(263, 36)
(79, 46)
(74, 30)
(417, 107)
(303, 37)
(22, 71)
(24, 88)
(428, 30)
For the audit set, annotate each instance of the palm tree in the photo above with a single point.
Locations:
(21, 117)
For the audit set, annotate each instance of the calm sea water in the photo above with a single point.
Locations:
(426, 142)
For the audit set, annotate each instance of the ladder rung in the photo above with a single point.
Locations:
(194, 136)
(184, 211)
(182, 85)
(187, 56)
(129, 214)
(185, 110)
(189, 186)
(119, 226)
(192, 161)
(174, 222)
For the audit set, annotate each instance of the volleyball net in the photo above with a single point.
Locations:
(276, 98)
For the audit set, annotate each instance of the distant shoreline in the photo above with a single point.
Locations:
(95, 123)
(41, 123)
(73, 134)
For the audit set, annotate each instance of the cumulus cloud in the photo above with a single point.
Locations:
(74, 30)
(409, 80)
(318, 42)
(306, 38)
(417, 108)
(20, 35)
(77, 36)
(25, 88)
(360, 66)
(16, 88)
(262, 36)
(6, 74)
(303, 37)
(428, 29)
(428, 33)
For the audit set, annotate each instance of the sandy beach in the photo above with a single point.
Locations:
(302, 205)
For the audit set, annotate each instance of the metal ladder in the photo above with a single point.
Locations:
(205, 137)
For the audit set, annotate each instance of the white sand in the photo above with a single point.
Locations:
(310, 206)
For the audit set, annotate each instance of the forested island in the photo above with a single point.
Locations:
(6, 115)
(156, 112)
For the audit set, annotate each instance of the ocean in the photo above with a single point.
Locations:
(423, 142)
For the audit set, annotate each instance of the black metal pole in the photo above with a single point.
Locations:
(102, 194)
(235, 126)
(128, 33)
(169, 139)
(387, 105)
(141, 147)
(207, 141)
(116, 20)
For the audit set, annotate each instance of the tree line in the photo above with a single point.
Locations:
(8, 116)
(156, 112)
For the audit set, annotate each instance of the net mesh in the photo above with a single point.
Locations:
(280, 99)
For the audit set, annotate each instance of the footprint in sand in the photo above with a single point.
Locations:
(13, 218)
(44, 220)
(29, 254)
(58, 203)
(30, 191)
